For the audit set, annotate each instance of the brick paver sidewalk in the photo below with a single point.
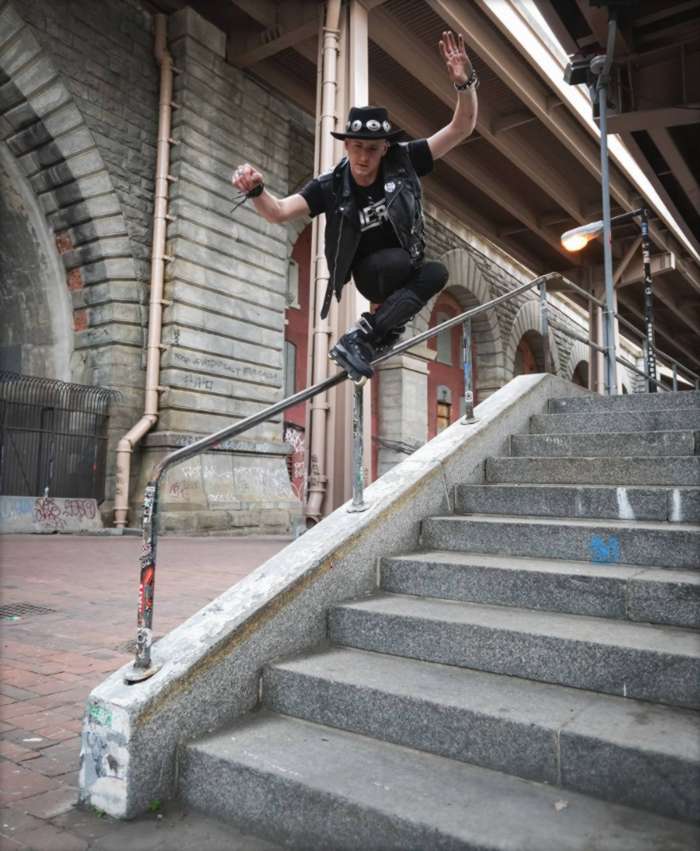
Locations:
(51, 662)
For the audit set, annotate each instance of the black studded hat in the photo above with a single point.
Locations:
(367, 122)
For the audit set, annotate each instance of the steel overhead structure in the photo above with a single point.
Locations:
(532, 167)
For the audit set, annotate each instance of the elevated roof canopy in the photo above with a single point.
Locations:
(531, 170)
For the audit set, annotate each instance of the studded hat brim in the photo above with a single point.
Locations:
(366, 135)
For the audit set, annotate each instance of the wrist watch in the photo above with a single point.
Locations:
(471, 81)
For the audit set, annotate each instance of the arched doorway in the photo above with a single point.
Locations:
(529, 354)
(36, 332)
(580, 374)
(525, 350)
(296, 357)
(446, 372)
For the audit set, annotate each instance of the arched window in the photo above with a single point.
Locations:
(290, 368)
(446, 372)
(526, 355)
(444, 408)
(444, 340)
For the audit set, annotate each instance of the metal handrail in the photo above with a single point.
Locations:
(143, 667)
(603, 350)
(576, 288)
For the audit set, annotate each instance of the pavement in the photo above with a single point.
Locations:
(84, 590)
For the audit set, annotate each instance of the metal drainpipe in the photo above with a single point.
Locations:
(319, 406)
(160, 218)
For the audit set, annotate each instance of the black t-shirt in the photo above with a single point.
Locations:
(377, 230)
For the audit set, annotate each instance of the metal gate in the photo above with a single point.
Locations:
(53, 437)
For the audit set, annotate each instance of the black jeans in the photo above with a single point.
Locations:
(380, 274)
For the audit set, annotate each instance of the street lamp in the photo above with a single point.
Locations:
(596, 74)
(578, 238)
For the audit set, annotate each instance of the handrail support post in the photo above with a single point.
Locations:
(468, 373)
(358, 473)
(143, 667)
(544, 326)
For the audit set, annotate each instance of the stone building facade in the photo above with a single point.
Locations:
(78, 121)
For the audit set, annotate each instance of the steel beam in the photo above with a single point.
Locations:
(403, 47)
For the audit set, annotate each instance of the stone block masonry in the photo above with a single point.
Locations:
(226, 284)
(502, 275)
(78, 118)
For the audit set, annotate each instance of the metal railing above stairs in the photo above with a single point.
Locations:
(143, 667)
(653, 383)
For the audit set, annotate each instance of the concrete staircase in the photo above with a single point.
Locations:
(529, 680)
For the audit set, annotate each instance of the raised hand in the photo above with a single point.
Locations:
(245, 178)
(454, 53)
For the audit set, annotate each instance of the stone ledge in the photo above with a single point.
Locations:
(176, 439)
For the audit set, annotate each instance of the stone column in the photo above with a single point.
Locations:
(226, 283)
(403, 413)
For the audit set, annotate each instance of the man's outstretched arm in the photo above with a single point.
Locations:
(463, 121)
(276, 210)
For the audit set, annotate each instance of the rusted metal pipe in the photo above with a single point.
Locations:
(126, 445)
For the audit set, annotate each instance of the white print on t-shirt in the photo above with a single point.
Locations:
(373, 215)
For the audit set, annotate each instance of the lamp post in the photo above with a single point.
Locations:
(596, 74)
(608, 319)
(578, 238)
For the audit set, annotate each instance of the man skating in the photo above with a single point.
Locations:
(374, 216)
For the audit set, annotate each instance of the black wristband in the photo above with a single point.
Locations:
(255, 191)
(471, 81)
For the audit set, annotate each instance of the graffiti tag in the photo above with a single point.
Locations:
(605, 551)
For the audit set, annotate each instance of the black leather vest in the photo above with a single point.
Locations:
(403, 199)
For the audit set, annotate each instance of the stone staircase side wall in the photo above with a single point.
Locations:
(211, 664)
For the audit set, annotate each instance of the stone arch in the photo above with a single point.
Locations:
(36, 332)
(469, 286)
(528, 319)
(580, 353)
(625, 379)
(47, 140)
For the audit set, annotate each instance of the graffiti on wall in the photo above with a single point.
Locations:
(295, 436)
(47, 514)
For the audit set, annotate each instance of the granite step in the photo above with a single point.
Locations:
(680, 400)
(602, 444)
(622, 471)
(644, 595)
(616, 421)
(331, 790)
(597, 541)
(660, 664)
(541, 732)
(678, 505)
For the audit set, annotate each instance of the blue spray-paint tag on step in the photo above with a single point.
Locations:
(605, 551)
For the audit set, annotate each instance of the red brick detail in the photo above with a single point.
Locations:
(74, 280)
(63, 242)
(80, 319)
